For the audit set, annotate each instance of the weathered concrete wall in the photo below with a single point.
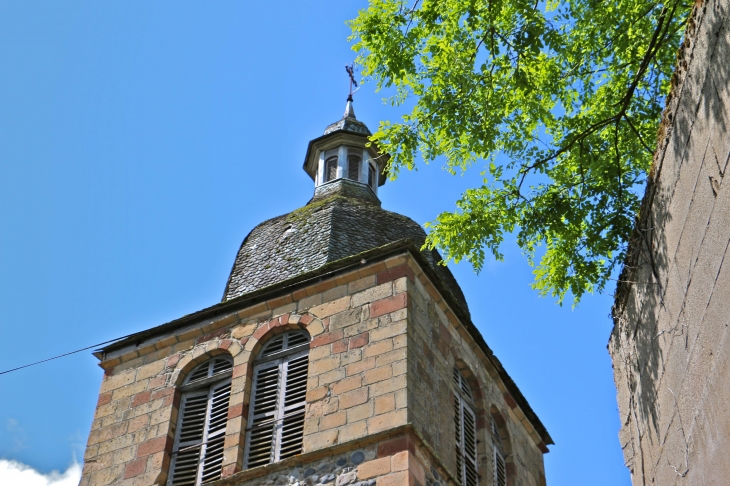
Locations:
(670, 345)
(371, 330)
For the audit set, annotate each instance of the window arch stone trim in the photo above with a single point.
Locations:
(242, 378)
(243, 368)
(280, 324)
(476, 390)
(276, 428)
(243, 352)
(184, 362)
(187, 361)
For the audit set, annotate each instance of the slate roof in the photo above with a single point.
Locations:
(348, 123)
(343, 219)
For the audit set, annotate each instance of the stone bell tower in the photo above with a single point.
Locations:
(341, 354)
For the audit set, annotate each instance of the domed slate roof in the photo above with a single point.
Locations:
(348, 123)
(343, 219)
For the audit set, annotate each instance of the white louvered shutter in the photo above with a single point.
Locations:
(276, 417)
(500, 472)
(263, 415)
(198, 449)
(465, 433)
(190, 439)
(470, 447)
(461, 385)
(215, 432)
(459, 438)
(292, 429)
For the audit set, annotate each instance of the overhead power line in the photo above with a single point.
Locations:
(66, 354)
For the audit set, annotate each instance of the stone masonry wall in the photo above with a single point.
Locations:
(670, 345)
(400, 459)
(437, 343)
(358, 385)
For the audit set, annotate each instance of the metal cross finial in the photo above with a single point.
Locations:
(351, 72)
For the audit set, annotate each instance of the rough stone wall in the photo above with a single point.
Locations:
(437, 344)
(670, 345)
(356, 384)
(357, 368)
(362, 324)
(340, 469)
(398, 460)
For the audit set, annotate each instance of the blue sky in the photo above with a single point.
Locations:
(141, 141)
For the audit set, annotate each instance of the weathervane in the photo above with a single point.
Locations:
(351, 73)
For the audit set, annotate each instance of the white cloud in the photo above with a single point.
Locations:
(13, 473)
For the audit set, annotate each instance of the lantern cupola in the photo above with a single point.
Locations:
(344, 151)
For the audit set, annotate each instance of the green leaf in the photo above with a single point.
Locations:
(563, 99)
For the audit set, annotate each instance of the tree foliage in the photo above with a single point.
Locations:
(561, 101)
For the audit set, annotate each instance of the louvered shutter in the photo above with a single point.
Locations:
(462, 385)
(198, 449)
(465, 432)
(276, 417)
(215, 432)
(292, 428)
(495, 433)
(459, 438)
(470, 447)
(500, 472)
(263, 415)
(190, 439)
(353, 168)
(466, 442)
(330, 169)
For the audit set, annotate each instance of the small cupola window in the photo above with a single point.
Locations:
(353, 167)
(330, 169)
(344, 151)
(371, 176)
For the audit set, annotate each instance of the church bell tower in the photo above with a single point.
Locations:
(342, 353)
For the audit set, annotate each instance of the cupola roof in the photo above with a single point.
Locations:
(348, 123)
(346, 131)
(342, 220)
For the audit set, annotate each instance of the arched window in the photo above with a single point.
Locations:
(500, 470)
(353, 167)
(371, 176)
(466, 432)
(197, 453)
(330, 169)
(276, 413)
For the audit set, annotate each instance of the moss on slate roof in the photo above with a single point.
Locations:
(343, 219)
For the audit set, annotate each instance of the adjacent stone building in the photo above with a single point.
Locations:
(341, 353)
(670, 344)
